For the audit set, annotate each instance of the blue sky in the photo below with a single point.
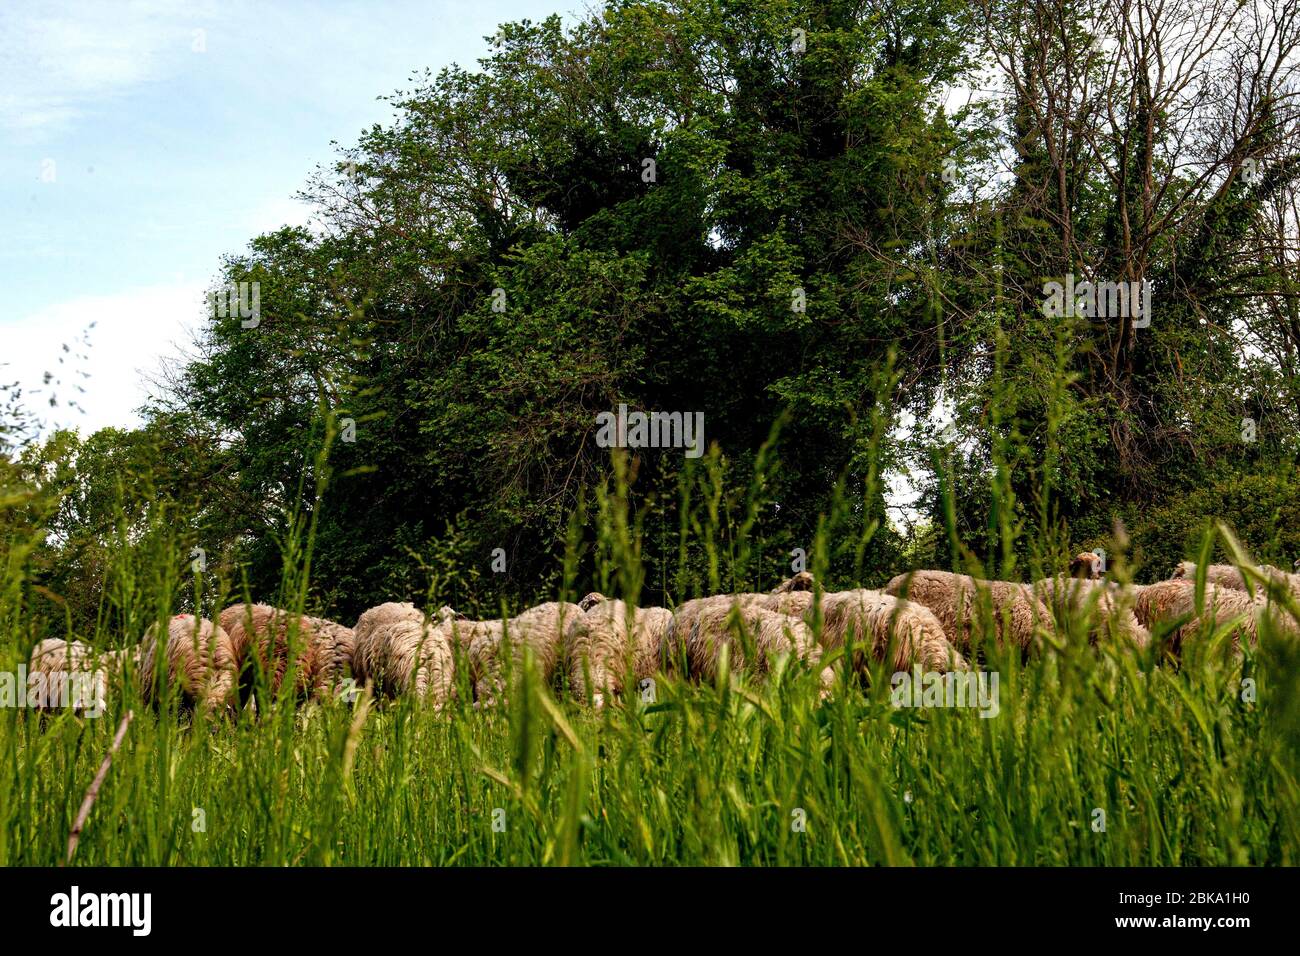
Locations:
(140, 141)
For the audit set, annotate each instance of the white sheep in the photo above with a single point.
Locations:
(539, 629)
(701, 628)
(609, 641)
(199, 656)
(1017, 616)
(69, 674)
(1108, 608)
(400, 651)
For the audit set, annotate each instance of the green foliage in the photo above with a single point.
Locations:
(1264, 505)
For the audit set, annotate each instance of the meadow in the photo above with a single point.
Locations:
(1095, 757)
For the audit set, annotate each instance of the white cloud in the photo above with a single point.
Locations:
(59, 59)
(134, 332)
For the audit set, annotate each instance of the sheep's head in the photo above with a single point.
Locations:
(1086, 565)
(1296, 566)
(447, 613)
(1185, 569)
(591, 600)
(803, 581)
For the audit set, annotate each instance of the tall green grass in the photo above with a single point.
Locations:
(1184, 771)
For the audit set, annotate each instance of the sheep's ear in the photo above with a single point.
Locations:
(591, 600)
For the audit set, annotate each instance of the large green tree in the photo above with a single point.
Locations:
(676, 206)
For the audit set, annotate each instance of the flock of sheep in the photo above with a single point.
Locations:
(936, 620)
